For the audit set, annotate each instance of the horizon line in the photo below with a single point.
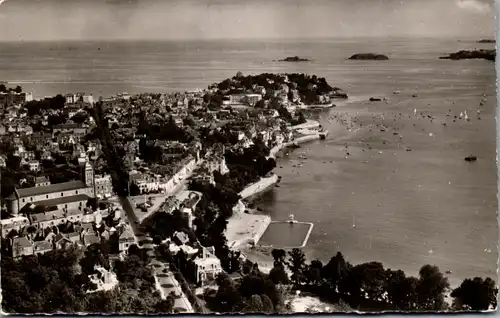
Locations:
(249, 39)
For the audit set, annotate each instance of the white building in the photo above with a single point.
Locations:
(88, 99)
(207, 266)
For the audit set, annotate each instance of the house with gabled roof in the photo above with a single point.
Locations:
(41, 247)
(21, 246)
(126, 239)
(61, 241)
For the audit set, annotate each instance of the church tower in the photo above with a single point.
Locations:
(89, 177)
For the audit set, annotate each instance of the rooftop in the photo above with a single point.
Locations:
(22, 242)
(52, 215)
(63, 200)
(90, 239)
(57, 187)
(42, 245)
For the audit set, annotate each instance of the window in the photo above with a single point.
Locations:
(47, 196)
(31, 199)
(23, 200)
(76, 192)
(65, 206)
(62, 194)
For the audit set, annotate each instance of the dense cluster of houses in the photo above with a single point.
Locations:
(62, 137)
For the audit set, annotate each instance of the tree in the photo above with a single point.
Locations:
(13, 162)
(278, 274)
(431, 288)
(301, 118)
(279, 256)
(313, 273)
(401, 290)
(363, 281)
(296, 264)
(18, 89)
(227, 296)
(165, 306)
(335, 270)
(12, 233)
(93, 203)
(475, 294)
(254, 304)
(134, 189)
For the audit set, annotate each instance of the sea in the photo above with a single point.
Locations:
(367, 196)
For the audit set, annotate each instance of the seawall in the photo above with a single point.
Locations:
(307, 125)
(262, 229)
(306, 138)
(259, 186)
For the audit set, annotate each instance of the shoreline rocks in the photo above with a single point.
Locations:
(294, 59)
(369, 57)
(489, 55)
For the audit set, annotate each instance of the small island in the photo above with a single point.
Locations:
(487, 41)
(294, 59)
(369, 56)
(474, 54)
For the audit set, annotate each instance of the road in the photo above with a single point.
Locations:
(165, 280)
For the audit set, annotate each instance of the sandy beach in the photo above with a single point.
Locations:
(243, 228)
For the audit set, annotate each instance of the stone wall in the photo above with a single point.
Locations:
(259, 186)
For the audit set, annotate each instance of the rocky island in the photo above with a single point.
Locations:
(294, 59)
(369, 56)
(487, 41)
(474, 54)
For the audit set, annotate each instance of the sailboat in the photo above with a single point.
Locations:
(353, 221)
(465, 116)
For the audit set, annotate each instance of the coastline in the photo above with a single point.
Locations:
(238, 233)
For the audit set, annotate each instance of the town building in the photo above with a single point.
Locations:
(15, 223)
(125, 240)
(103, 186)
(21, 246)
(207, 265)
(72, 129)
(67, 195)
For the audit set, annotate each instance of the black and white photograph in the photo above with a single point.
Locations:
(278, 157)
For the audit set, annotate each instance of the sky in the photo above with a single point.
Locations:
(42, 20)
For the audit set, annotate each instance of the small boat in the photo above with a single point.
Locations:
(470, 158)
(375, 99)
(448, 272)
